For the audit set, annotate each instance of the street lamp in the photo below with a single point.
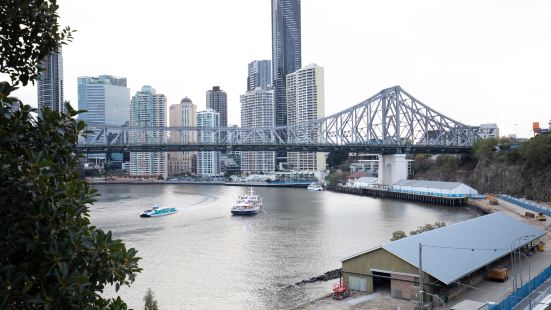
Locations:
(513, 250)
(529, 280)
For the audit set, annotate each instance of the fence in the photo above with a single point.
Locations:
(527, 204)
(518, 295)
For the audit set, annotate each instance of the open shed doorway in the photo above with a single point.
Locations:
(381, 281)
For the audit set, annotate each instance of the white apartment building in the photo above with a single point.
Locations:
(183, 114)
(208, 163)
(148, 109)
(305, 101)
(257, 110)
(489, 131)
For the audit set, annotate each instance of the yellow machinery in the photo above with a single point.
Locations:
(541, 217)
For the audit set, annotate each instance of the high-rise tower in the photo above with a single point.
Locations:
(217, 100)
(286, 51)
(182, 115)
(50, 82)
(208, 162)
(306, 102)
(148, 109)
(286, 55)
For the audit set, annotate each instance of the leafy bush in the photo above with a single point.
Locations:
(50, 255)
(397, 235)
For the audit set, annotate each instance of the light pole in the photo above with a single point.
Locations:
(421, 275)
(513, 250)
(529, 280)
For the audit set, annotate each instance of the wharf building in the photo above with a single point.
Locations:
(448, 260)
(183, 114)
(148, 109)
(305, 102)
(106, 99)
(50, 83)
(208, 162)
(286, 55)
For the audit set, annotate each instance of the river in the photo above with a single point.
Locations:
(204, 258)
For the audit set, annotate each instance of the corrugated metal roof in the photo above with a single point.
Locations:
(442, 259)
(427, 184)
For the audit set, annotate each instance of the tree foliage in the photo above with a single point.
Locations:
(336, 177)
(149, 301)
(29, 31)
(50, 255)
(336, 158)
(538, 152)
(484, 147)
(397, 235)
(427, 227)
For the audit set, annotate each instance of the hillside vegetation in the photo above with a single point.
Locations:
(496, 167)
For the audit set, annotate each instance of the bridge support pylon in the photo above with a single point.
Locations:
(392, 168)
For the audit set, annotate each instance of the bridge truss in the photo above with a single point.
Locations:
(390, 122)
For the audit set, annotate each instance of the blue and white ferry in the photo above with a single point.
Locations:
(247, 204)
(158, 211)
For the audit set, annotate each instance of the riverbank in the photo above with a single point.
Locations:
(297, 184)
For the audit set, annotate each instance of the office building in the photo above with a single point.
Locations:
(50, 83)
(183, 114)
(259, 75)
(148, 109)
(208, 163)
(305, 102)
(106, 100)
(217, 100)
(257, 110)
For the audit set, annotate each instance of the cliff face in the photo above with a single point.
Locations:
(491, 175)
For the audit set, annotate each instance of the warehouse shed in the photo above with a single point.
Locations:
(437, 188)
(453, 255)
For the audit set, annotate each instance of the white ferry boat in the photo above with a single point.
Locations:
(247, 204)
(156, 211)
(315, 187)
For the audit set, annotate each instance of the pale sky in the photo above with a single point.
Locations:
(475, 61)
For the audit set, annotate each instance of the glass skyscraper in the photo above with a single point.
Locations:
(50, 83)
(259, 75)
(286, 51)
(105, 98)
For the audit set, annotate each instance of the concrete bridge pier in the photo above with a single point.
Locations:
(392, 168)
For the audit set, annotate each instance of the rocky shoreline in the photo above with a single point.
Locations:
(329, 275)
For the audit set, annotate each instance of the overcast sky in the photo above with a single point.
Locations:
(475, 61)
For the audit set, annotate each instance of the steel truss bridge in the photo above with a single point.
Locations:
(390, 122)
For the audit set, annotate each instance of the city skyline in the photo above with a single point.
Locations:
(490, 64)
